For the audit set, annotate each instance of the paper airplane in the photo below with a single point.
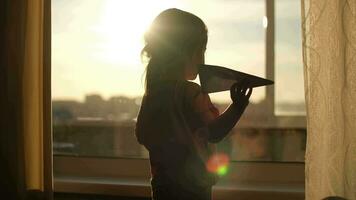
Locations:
(216, 78)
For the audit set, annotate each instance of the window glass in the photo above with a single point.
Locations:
(289, 87)
(97, 76)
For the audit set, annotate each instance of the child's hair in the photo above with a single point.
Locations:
(172, 39)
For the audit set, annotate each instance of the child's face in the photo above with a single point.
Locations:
(191, 69)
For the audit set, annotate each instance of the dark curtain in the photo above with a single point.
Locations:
(12, 32)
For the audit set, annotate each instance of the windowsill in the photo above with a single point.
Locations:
(130, 177)
(141, 188)
(100, 185)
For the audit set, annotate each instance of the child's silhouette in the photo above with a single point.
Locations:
(177, 120)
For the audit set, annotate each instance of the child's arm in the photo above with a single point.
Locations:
(220, 125)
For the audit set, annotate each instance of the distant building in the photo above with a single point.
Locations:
(99, 127)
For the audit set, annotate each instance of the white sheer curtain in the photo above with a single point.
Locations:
(329, 54)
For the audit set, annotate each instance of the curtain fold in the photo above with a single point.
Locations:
(329, 54)
(33, 96)
(25, 136)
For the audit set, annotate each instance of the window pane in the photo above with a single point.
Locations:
(236, 38)
(97, 75)
(289, 85)
(265, 144)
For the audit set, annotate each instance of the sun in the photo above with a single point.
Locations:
(121, 26)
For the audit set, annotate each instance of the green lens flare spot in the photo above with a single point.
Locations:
(222, 170)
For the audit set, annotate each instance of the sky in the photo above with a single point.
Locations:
(96, 44)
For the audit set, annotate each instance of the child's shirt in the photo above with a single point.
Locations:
(172, 125)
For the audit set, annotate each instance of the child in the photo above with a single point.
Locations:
(177, 120)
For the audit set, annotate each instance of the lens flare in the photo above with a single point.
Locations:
(218, 163)
(222, 170)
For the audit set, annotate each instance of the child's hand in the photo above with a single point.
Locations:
(238, 94)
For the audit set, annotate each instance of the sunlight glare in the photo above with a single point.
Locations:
(121, 27)
(264, 21)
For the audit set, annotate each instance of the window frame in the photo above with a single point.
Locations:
(48, 177)
(71, 174)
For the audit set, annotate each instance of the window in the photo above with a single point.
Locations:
(289, 88)
(97, 75)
